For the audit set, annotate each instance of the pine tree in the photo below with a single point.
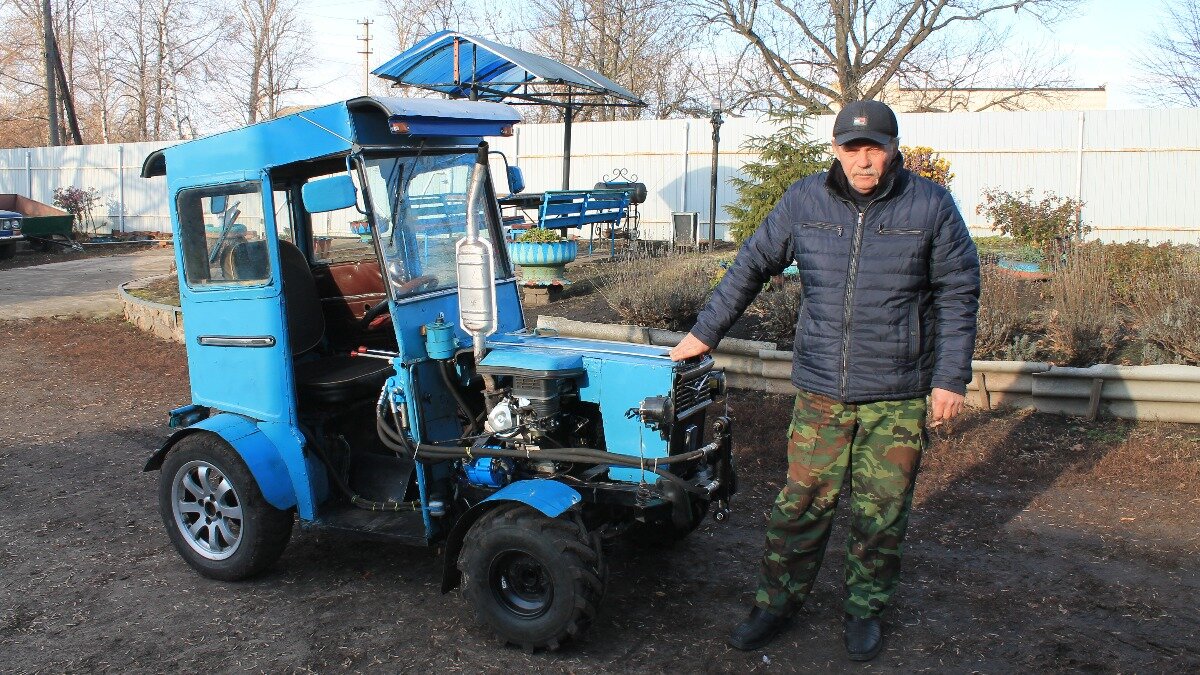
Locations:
(784, 157)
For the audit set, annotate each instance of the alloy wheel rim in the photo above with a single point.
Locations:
(207, 509)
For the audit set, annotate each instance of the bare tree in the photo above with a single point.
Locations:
(1172, 60)
(163, 53)
(643, 45)
(822, 53)
(413, 20)
(266, 49)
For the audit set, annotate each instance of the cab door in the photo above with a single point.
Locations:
(231, 295)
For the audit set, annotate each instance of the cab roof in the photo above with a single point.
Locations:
(327, 131)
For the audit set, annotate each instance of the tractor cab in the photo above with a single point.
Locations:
(358, 358)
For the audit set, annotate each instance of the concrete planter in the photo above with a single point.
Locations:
(543, 262)
(164, 321)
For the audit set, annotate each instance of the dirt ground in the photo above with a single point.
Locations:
(27, 257)
(1037, 543)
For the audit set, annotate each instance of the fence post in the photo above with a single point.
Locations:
(29, 172)
(121, 185)
(687, 138)
(1079, 180)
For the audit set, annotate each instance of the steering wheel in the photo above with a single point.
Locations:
(374, 317)
(416, 284)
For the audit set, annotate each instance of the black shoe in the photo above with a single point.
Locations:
(757, 630)
(864, 637)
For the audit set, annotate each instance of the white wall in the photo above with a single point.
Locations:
(1134, 169)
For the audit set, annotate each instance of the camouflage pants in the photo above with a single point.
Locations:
(879, 446)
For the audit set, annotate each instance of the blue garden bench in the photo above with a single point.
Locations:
(561, 209)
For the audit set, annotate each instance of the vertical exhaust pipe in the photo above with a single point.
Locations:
(476, 265)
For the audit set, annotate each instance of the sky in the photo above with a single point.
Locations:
(1099, 44)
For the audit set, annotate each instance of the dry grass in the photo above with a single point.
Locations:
(659, 292)
(1084, 325)
(1001, 317)
(1166, 308)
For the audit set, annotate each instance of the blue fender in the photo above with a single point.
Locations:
(548, 496)
(256, 450)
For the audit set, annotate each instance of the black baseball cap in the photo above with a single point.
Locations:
(865, 120)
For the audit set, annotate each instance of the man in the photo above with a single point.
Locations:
(890, 292)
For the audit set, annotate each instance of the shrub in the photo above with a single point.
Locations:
(1050, 225)
(778, 308)
(783, 158)
(81, 204)
(1129, 265)
(539, 235)
(922, 161)
(1166, 308)
(1001, 317)
(1023, 348)
(666, 292)
(1084, 326)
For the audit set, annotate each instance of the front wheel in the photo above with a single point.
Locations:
(214, 512)
(536, 581)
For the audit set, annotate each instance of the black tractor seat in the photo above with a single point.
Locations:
(336, 379)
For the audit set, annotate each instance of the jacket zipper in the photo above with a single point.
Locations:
(824, 226)
(893, 231)
(848, 301)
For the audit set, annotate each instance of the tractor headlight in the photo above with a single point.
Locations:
(716, 383)
(657, 410)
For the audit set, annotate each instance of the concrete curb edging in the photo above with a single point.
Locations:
(1165, 393)
(164, 321)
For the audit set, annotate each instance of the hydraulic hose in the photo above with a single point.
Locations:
(430, 452)
(458, 398)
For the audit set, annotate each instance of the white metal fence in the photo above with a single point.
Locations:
(1135, 170)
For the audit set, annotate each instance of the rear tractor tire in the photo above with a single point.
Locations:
(214, 512)
(534, 580)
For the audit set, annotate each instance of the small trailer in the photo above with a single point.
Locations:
(43, 225)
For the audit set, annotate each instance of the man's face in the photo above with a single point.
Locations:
(864, 163)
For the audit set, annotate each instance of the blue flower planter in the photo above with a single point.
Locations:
(543, 262)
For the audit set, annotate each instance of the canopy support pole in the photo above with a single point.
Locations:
(568, 113)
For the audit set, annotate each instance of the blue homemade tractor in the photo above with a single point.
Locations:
(386, 384)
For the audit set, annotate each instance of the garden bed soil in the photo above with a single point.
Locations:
(1038, 543)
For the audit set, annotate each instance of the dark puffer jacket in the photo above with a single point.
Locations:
(890, 294)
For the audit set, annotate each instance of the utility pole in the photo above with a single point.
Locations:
(366, 52)
(51, 94)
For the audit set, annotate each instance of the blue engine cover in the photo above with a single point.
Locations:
(616, 375)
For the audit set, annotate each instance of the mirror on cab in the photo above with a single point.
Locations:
(329, 194)
(516, 180)
(512, 174)
(217, 204)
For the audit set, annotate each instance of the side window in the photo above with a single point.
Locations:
(283, 216)
(341, 236)
(222, 231)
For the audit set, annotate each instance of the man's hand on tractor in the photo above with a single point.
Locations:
(688, 347)
(946, 405)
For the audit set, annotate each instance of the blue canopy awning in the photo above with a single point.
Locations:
(464, 66)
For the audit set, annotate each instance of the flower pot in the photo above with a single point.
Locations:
(542, 262)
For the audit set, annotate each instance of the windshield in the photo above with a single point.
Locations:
(420, 208)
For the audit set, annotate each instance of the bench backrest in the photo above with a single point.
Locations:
(576, 208)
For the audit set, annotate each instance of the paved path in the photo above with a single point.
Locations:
(85, 287)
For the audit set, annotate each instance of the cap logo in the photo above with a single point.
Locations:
(860, 121)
